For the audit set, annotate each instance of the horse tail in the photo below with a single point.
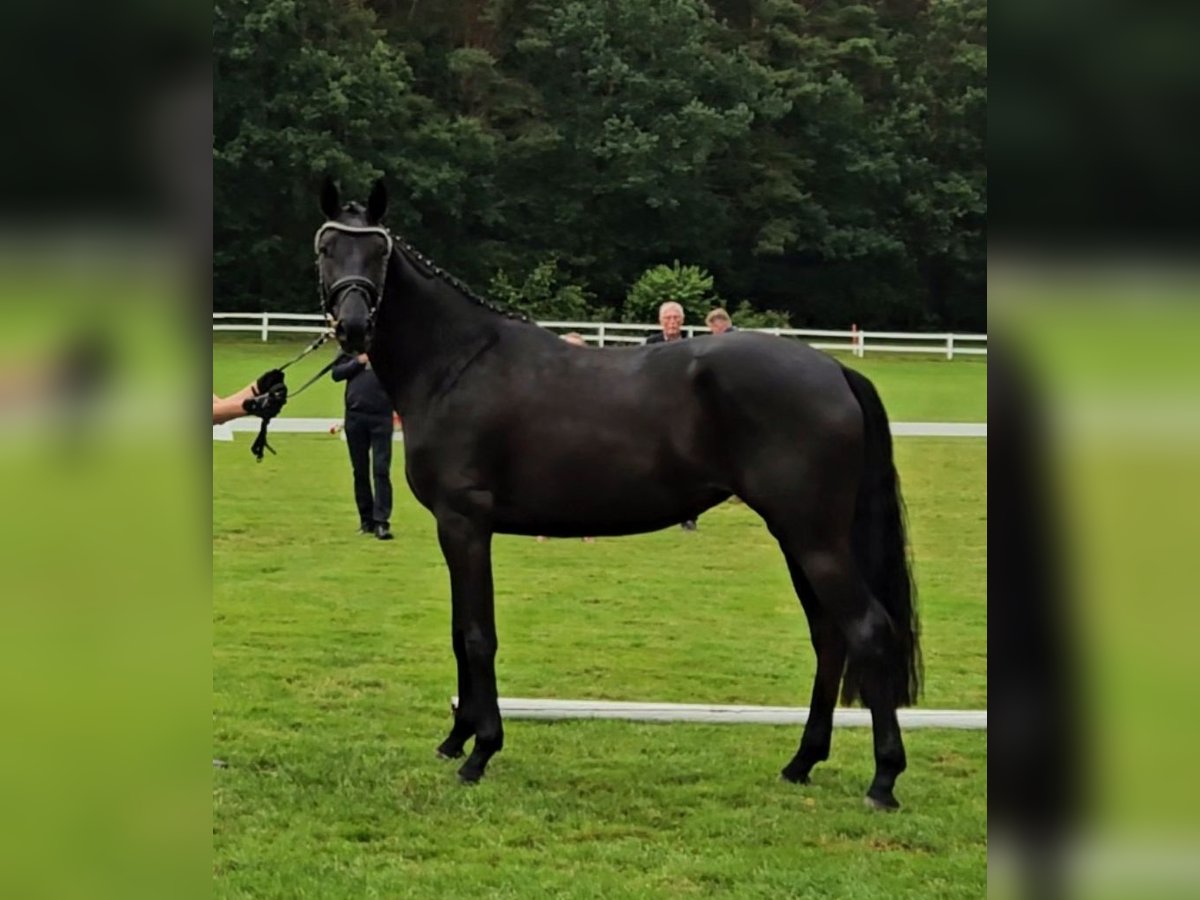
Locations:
(881, 548)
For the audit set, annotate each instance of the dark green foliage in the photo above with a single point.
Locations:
(689, 286)
(542, 294)
(746, 316)
(823, 159)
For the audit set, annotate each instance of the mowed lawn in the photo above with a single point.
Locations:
(332, 673)
(914, 389)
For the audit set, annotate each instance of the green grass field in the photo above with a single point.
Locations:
(332, 673)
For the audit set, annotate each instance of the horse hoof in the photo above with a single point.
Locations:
(445, 752)
(794, 776)
(885, 802)
(470, 775)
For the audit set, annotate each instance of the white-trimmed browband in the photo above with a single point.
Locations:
(352, 229)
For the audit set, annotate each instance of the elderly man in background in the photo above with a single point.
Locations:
(670, 318)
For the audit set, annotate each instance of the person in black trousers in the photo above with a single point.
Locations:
(368, 435)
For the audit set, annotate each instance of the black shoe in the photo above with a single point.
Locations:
(383, 533)
(689, 525)
(366, 528)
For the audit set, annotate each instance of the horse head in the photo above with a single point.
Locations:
(352, 249)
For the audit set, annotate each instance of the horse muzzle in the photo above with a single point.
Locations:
(353, 313)
(353, 335)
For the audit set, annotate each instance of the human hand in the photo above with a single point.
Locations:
(267, 380)
(268, 405)
(363, 358)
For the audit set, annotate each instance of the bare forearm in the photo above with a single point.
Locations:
(226, 409)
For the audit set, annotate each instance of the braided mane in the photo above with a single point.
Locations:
(430, 269)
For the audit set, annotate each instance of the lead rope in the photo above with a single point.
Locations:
(260, 443)
(321, 339)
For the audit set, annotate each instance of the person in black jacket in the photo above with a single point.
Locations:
(368, 435)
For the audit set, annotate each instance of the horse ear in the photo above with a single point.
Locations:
(377, 202)
(331, 201)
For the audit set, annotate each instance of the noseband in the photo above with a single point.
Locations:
(372, 291)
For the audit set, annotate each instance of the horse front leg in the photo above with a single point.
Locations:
(462, 730)
(467, 546)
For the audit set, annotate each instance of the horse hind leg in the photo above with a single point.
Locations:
(830, 648)
(773, 493)
(873, 653)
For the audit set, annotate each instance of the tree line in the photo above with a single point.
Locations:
(819, 159)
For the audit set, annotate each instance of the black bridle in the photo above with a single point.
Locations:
(371, 291)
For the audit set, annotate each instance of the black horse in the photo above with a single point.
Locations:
(509, 429)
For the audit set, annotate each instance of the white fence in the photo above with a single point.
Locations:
(266, 323)
(606, 334)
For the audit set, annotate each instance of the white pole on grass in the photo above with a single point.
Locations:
(527, 708)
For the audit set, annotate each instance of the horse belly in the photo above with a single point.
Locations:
(607, 484)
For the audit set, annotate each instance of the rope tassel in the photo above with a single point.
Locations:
(260, 443)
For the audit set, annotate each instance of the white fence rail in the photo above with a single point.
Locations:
(267, 322)
(607, 334)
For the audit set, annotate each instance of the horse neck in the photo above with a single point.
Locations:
(425, 324)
